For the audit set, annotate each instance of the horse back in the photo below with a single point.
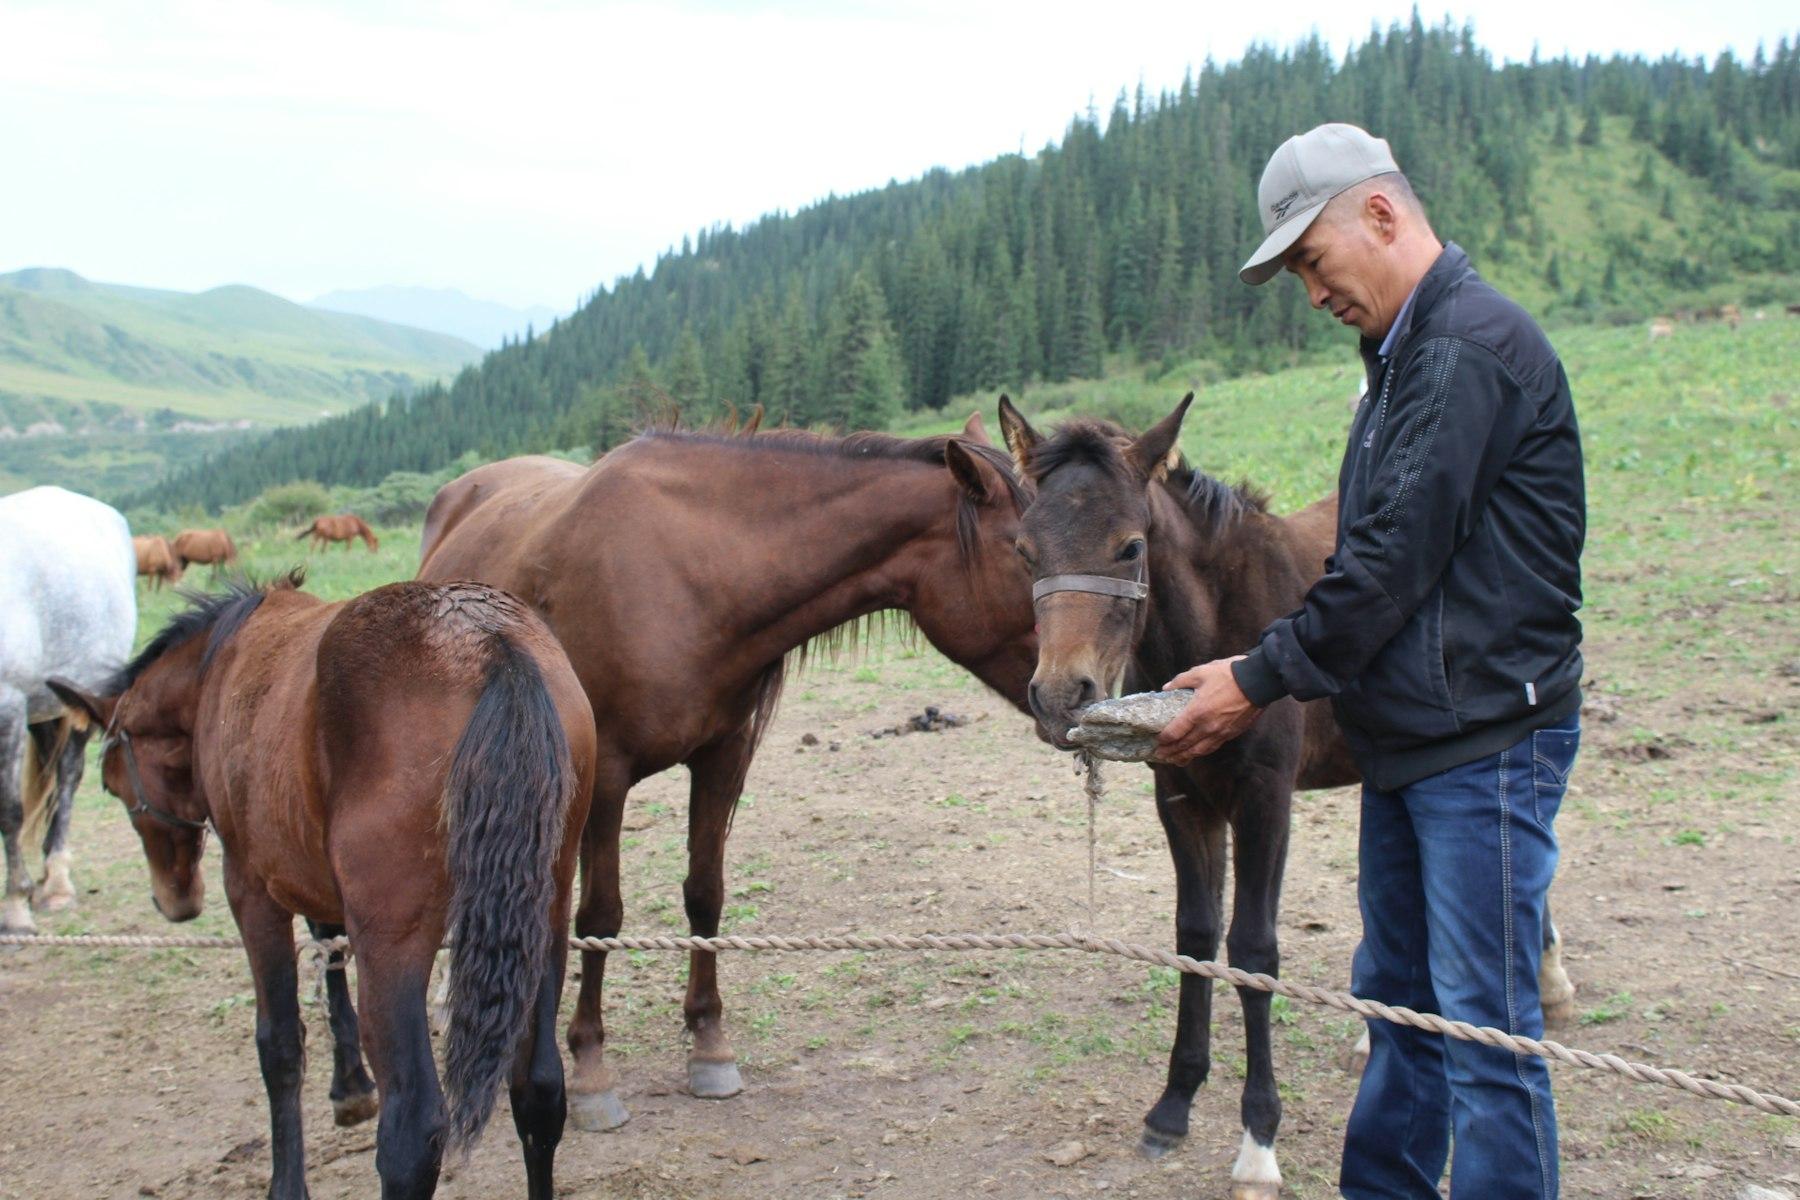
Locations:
(488, 509)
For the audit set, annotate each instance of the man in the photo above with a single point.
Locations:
(1444, 632)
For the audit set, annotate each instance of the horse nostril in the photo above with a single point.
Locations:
(1087, 693)
(1037, 705)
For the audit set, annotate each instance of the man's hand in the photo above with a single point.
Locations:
(1218, 713)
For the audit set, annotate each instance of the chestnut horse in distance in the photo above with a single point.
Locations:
(156, 559)
(211, 546)
(345, 528)
(411, 762)
(679, 572)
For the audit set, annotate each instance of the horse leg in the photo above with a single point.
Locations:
(57, 890)
(353, 1098)
(594, 1103)
(1555, 991)
(1197, 844)
(717, 780)
(15, 911)
(539, 1104)
(1259, 853)
(392, 977)
(268, 932)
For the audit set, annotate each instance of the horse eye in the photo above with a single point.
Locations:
(1024, 554)
(1133, 549)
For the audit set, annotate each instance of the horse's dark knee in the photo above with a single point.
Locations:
(1255, 950)
(409, 1146)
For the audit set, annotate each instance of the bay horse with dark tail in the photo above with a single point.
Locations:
(679, 572)
(409, 763)
(1143, 568)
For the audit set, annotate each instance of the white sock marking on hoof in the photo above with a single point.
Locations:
(1256, 1164)
(15, 916)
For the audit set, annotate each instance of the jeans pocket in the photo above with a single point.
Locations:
(1553, 754)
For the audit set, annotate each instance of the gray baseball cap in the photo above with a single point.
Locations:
(1301, 179)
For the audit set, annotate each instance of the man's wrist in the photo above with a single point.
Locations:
(1257, 679)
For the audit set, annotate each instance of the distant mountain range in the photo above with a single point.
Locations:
(76, 353)
(446, 310)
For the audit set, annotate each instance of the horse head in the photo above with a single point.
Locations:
(1085, 540)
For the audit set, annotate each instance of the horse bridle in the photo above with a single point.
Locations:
(1099, 585)
(140, 806)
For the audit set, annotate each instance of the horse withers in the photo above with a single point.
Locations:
(345, 528)
(411, 762)
(68, 606)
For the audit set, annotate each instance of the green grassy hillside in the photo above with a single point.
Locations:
(70, 347)
(131, 382)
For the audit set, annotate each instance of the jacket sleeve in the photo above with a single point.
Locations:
(1453, 421)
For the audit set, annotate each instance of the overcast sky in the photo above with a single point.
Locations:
(529, 152)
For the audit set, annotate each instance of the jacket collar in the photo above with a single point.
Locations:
(1450, 267)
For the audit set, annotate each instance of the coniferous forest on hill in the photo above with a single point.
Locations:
(1591, 190)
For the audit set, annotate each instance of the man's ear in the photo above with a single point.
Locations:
(98, 709)
(978, 479)
(974, 431)
(1020, 437)
(1151, 453)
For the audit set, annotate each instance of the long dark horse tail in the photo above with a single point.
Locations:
(307, 530)
(505, 799)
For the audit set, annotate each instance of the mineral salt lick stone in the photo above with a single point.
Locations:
(1125, 729)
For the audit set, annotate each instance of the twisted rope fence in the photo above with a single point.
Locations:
(1706, 1089)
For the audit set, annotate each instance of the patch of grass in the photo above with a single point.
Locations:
(1688, 837)
(1614, 1007)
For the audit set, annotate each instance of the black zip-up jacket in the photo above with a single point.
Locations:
(1444, 628)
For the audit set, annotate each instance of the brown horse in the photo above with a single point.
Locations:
(211, 546)
(413, 761)
(679, 571)
(156, 558)
(345, 528)
(1217, 567)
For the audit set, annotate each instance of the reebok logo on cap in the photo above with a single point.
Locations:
(1302, 177)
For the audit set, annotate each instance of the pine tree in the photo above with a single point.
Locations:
(685, 379)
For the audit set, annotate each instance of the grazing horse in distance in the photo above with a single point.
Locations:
(1215, 567)
(344, 528)
(156, 559)
(68, 606)
(680, 571)
(409, 763)
(211, 546)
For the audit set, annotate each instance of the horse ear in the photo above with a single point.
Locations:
(1020, 437)
(1153, 453)
(97, 708)
(971, 474)
(974, 431)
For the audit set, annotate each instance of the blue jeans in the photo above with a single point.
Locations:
(1454, 873)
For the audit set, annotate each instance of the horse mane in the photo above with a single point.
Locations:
(1212, 504)
(221, 614)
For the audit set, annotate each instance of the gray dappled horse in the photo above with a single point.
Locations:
(68, 607)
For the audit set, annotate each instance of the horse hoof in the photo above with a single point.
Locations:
(1559, 1012)
(56, 901)
(1156, 1144)
(1256, 1191)
(15, 917)
(597, 1112)
(714, 1080)
(354, 1110)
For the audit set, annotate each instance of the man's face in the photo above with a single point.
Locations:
(1340, 261)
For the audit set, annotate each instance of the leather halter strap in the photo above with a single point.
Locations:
(140, 806)
(1099, 585)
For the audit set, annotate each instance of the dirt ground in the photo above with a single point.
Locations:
(134, 1073)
